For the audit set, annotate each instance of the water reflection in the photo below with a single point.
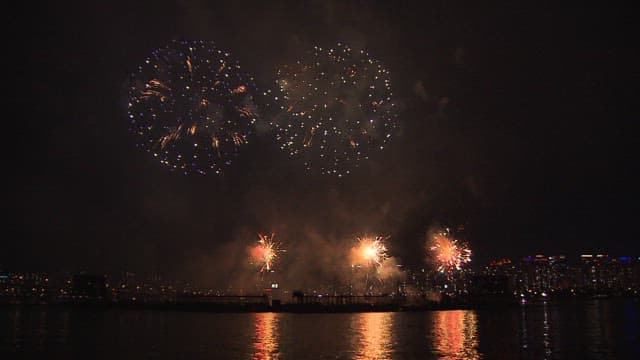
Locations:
(596, 316)
(373, 335)
(15, 334)
(266, 336)
(523, 329)
(537, 328)
(602, 329)
(455, 334)
(546, 333)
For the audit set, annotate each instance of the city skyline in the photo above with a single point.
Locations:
(533, 278)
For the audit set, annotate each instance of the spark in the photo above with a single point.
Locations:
(215, 142)
(189, 66)
(308, 141)
(246, 112)
(146, 94)
(240, 89)
(157, 83)
(238, 139)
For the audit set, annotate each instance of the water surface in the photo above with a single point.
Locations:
(597, 329)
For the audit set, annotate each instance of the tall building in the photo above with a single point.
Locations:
(593, 272)
(545, 274)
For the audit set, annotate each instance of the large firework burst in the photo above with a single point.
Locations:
(191, 107)
(337, 108)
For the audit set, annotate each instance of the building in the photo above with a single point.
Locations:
(88, 287)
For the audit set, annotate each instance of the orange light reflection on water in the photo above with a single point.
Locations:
(375, 337)
(456, 334)
(266, 336)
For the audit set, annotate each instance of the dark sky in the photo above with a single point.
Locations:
(516, 122)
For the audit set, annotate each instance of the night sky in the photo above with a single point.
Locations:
(515, 122)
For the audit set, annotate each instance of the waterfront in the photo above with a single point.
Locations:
(589, 329)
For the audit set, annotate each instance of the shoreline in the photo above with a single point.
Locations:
(312, 307)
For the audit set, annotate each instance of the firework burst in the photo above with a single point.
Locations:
(450, 254)
(191, 107)
(370, 251)
(337, 108)
(265, 252)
